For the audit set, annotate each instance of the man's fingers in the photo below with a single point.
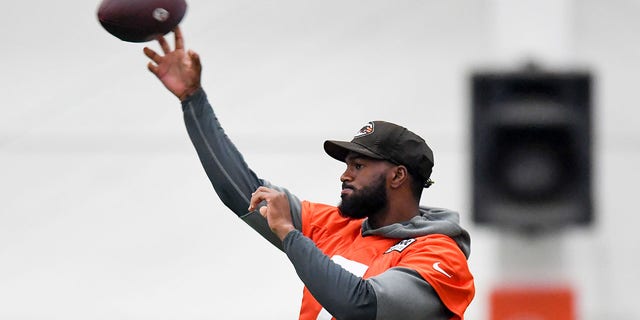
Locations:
(152, 55)
(153, 68)
(195, 59)
(258, 196)
(263, 211)
(178, 38)
(164, 45)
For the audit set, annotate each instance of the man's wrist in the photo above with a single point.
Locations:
(188, 93)
(284, 231)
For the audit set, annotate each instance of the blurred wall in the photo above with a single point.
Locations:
(107, 214)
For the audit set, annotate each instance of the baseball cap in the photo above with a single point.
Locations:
(387, 141)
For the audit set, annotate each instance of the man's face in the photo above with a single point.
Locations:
(364, 187)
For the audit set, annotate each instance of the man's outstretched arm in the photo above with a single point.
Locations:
(229, 174)
(180, 72)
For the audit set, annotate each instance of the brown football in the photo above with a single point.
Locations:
(140, 20)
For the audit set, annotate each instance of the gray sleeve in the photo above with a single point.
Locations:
(398, 293)
(403, 294)
(341, 293)
(229, 174)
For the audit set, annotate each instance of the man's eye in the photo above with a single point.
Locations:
(357, 166)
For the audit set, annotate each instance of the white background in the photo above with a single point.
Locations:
(106, 213)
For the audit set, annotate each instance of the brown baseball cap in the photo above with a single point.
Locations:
(387, 141)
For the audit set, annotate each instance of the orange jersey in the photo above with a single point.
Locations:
(436, 257)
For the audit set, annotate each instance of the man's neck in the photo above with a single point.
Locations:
(390, 216)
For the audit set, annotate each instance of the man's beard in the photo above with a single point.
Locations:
(366, 201)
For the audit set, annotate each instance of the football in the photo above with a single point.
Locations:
(140, 20)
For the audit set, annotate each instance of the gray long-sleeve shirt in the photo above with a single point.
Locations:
(343, 294)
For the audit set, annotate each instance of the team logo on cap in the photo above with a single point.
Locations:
(365, 130)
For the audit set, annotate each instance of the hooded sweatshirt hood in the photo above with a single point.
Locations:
(430, 221)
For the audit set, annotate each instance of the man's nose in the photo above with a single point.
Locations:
(346, 176)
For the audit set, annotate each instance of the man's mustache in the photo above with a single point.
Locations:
(347, 186)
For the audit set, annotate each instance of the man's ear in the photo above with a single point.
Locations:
(399, 176)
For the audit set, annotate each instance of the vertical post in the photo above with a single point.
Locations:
(540, 31)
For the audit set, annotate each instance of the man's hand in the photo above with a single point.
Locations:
(277, 211)
(178, 70)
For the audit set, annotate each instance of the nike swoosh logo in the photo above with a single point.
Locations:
(436, 266)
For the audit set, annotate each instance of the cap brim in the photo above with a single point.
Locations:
(340, 149)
